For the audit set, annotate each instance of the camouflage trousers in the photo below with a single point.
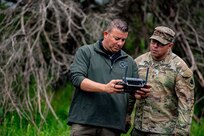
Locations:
(136, 132)
(87, 130)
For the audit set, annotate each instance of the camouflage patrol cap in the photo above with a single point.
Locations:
(163, 34)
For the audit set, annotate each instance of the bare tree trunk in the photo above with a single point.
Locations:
(37, 44)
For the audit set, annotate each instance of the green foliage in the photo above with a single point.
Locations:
(3, 6)
(1, 111)
(130, 44)
(2, 17)
(11, 127)
(197, 129)
(62, 99)
(142, 45)
(14, 126)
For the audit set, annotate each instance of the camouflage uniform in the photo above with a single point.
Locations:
(169, 108)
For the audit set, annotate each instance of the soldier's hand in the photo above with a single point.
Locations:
(143, 92)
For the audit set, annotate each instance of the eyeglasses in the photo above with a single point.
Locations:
(152, 41)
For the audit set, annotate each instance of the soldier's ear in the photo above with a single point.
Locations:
(171, 45)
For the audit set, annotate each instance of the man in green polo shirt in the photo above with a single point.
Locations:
(99, 106)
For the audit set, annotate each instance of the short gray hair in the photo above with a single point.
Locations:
(119, 24)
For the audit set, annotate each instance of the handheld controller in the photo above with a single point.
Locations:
(132, 84)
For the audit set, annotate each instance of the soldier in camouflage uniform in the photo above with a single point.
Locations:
(168, 110)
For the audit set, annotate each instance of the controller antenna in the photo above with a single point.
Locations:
(126, 68)
(147, 75)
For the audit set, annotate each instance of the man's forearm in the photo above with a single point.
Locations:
(91, 86)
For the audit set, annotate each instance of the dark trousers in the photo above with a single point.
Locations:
(86, 130)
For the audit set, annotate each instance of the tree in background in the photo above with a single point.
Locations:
(38, 39)
(37, 44)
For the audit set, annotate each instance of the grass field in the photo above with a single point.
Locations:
(13, 126)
